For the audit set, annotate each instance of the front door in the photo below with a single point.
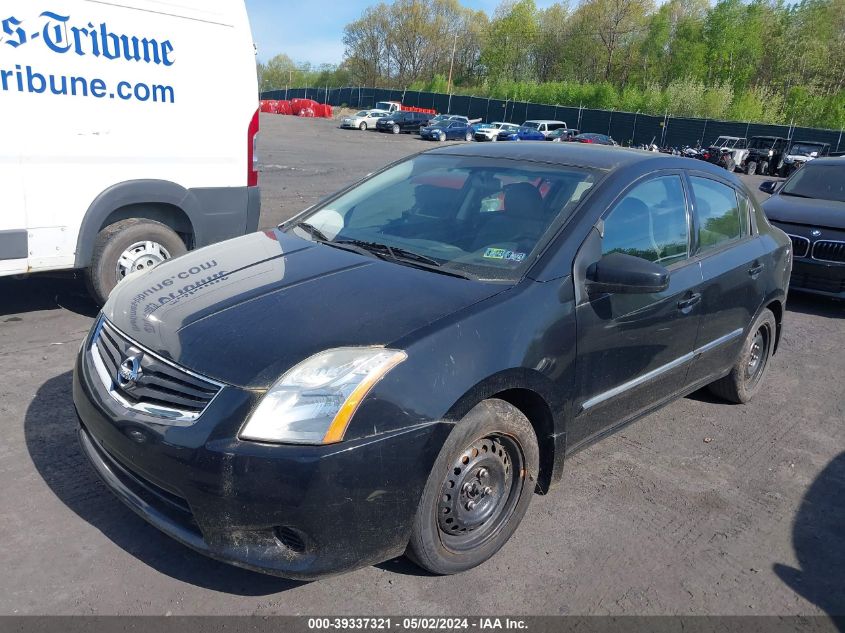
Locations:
(634, 349)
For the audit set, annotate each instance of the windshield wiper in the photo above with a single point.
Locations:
(402, 255)
(312, 230)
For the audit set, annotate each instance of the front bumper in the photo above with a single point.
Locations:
(821, 278)
(295, 511)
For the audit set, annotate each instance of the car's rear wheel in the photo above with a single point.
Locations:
(363, 126)
(126, 247)
(751, 167)
(747, 374)
(478, 491)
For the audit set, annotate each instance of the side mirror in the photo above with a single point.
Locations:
(626, 274)
(769, 187)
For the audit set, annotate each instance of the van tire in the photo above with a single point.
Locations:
(102, 276)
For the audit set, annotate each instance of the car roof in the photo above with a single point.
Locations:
(543, 121)
(838, 161)
(602, 157)
(794, 142)
(774, 138)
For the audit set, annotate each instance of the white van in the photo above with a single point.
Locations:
(128, 132)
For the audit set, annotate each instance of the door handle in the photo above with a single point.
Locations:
(684, 305)
(756, 269)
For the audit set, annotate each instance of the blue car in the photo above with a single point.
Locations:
(451, 130)
(522, 134)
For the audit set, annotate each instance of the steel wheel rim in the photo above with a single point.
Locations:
(758, 356)
(480, 492)
(140, 256)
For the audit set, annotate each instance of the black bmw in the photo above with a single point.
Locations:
(400, 368)
(810, 208)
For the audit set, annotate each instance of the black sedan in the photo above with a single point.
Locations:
(810, 208)
(400, 368)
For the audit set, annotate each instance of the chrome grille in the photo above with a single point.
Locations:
(142, 381)
(829, 251)
(800, 245)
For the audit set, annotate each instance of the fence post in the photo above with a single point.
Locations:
(487, 115)
(526, 110)
(703, 132)
(610, 122)
(840, 138)
(580, 107)
(634, 131)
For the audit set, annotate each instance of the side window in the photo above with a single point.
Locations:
(745, 210)
(719, 218)
(650, 222)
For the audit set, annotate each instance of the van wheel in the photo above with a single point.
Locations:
(747, 374)
(478, 491)
(129, 246)
(764, 168)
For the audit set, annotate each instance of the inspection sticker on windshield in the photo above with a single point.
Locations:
(501, 253)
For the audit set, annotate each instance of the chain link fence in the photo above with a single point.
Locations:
(627, 128)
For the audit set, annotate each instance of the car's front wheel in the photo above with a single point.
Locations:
(396, 129)
(468, 137)
(363, 126)
(751, 167)
(747, 374)
(478, 491)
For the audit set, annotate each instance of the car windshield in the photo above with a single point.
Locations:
(473, 217)
(362, 113)
(761, 143)
(532, 125)
(804, 149)
(824, 182)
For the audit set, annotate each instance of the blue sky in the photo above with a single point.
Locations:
(311, 30)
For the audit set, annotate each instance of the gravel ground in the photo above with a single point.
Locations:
(701, 508)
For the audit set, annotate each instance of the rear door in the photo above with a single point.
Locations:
(634, 349)
(732, 265)
(13, 230)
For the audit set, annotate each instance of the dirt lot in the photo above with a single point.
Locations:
(702, 508)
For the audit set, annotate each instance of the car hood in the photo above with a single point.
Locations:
(246, 310)
(796, 210)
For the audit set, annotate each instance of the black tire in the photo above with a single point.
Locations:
(441, 137)
(494, 437)
(751, 167)
(363, 126)
(396, 129)
(102, 274)
(750, 368)
(764, 168)
(468, 137)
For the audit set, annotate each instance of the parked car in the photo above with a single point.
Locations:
(521, 133)
(127, 165)
(800, 152)
(562, 135)
(810, 208)
(452, 129)
(403, 122)
(765, 155)
(400, 367)
(597, 139)
(735, 146)
(545, 127)
(491, 131)
(363, 119)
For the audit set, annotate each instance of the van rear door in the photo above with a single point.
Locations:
(13, 233)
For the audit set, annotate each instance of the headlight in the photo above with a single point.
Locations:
(771, 152)
(314, 402)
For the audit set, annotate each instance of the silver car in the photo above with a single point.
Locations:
(363, 119)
